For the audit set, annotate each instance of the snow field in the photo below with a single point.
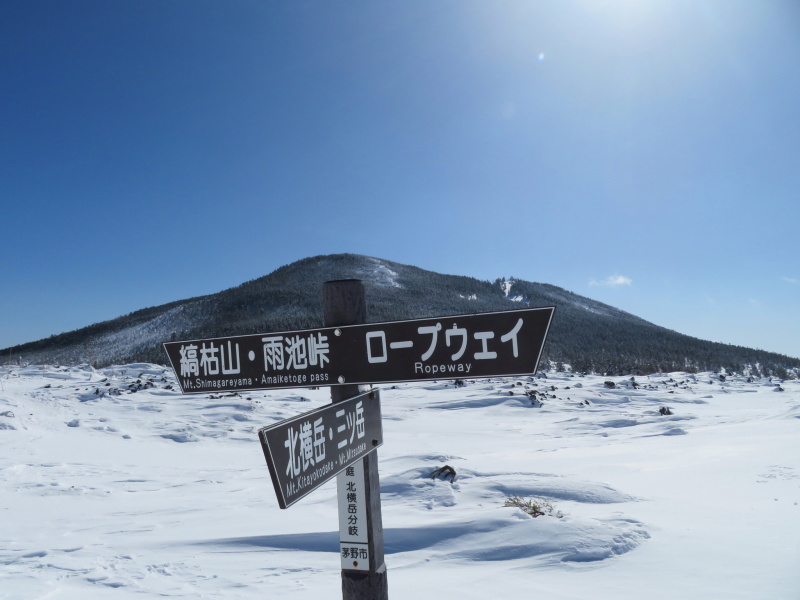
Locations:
(112, 482)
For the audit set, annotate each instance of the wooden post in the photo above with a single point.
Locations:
(344, 303)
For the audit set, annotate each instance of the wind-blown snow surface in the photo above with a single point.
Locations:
(112, 482)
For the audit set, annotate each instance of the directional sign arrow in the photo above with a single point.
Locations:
(310, 449)
(479, 345)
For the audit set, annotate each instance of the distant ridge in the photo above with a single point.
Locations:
(587, 335)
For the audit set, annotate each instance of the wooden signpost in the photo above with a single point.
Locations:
(345, 303)
(341, 439)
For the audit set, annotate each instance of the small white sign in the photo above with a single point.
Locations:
(353, 540)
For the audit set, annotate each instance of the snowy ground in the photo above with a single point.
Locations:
(112, 482)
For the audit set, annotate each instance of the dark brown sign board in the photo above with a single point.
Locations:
(309, 450)
(495, 344)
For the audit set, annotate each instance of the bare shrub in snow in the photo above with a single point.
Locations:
(535, 507)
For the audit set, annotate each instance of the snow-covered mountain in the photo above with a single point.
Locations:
(587, 335)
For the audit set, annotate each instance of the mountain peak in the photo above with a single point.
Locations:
(586, 334)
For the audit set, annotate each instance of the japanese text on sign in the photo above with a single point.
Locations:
(455, 338)
(304, 452)
(480, 345)
(353, 537)
(306, 445)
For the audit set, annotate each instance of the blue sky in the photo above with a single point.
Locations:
(645, 154)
